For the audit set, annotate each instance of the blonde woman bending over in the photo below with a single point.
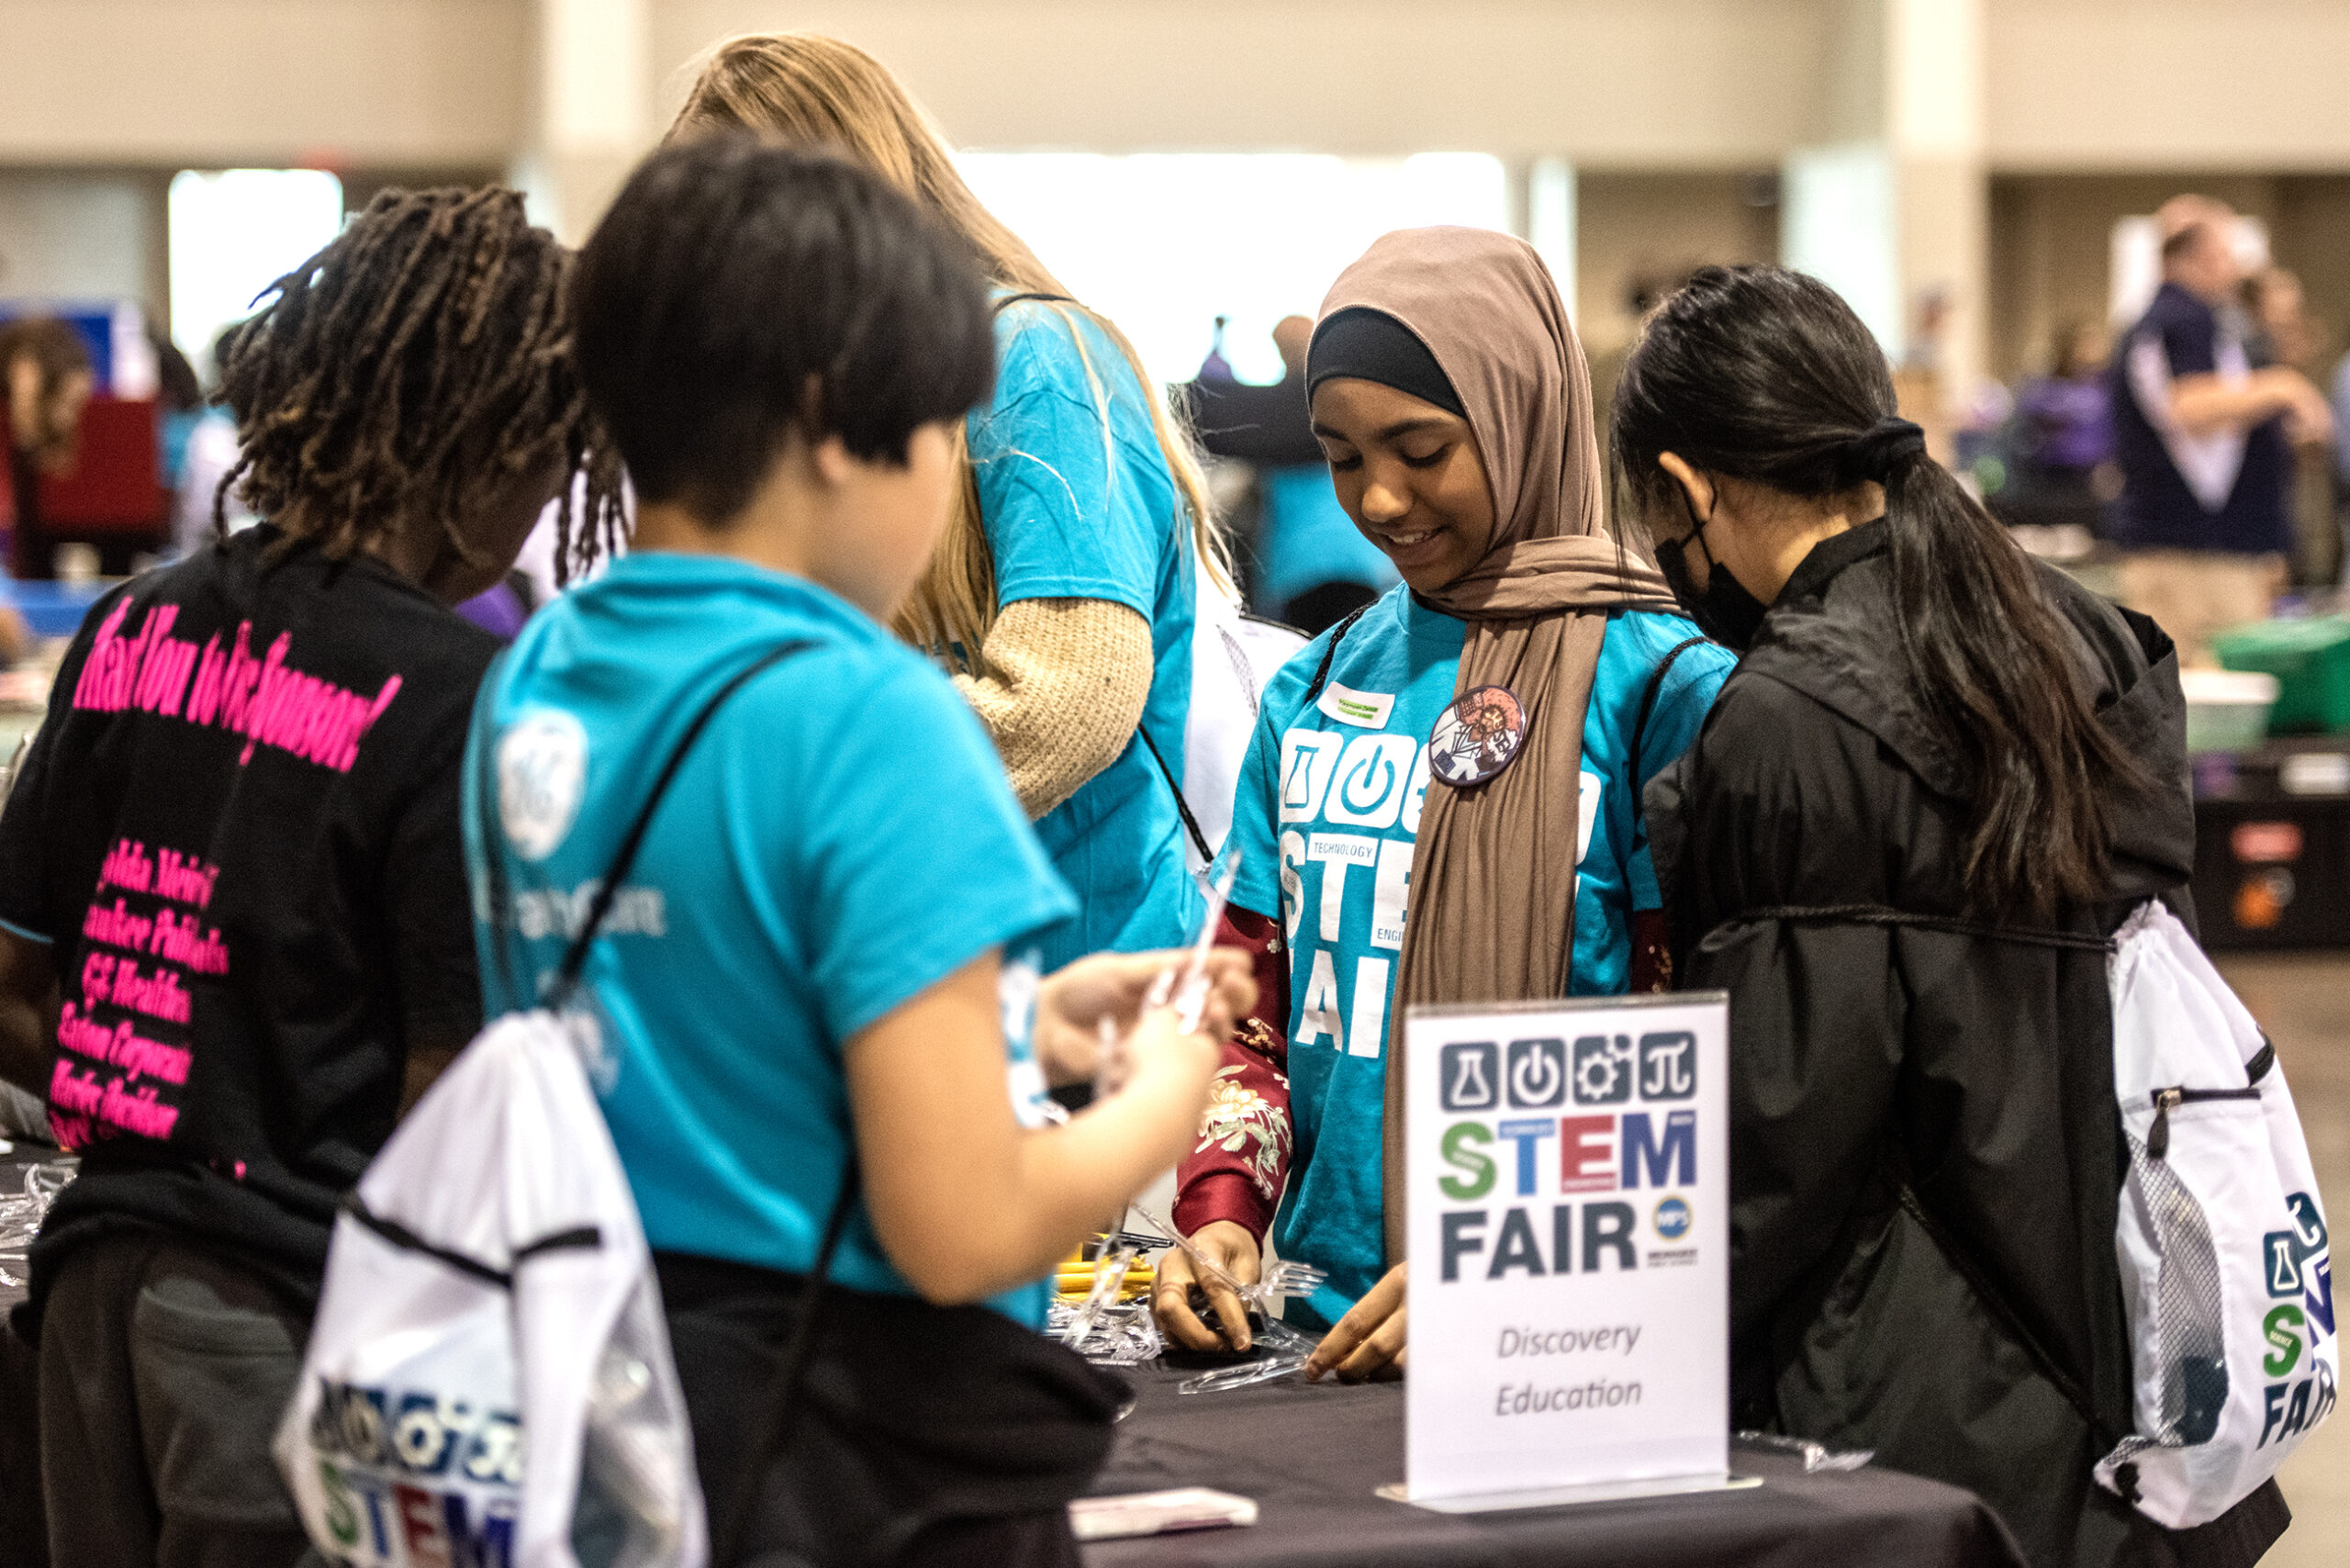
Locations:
(1062, 595)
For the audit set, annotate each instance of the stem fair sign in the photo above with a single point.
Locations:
(1570, 1246)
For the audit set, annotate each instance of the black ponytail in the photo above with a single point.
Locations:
(1766, 375)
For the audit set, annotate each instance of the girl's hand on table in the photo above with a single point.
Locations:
(1230, 1247)
(1073, 1000)
(1367, 1344)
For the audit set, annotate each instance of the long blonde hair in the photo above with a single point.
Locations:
(809, 89)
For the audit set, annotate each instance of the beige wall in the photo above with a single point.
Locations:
(2168, 84)
(1657, 81)
(268, 82)
(2108, 85)
(1635, 225)
(85, 234)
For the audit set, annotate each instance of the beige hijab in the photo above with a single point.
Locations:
(1491, 913)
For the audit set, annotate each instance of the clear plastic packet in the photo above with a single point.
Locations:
(635, 1464)
(21, 1213)
(1816, 1457)
(1122, 1334)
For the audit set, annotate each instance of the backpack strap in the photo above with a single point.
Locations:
(1995, 1302)
(1182, 807)
(1649, 694)
(1321, 671)
(574, 958)
(493, 863)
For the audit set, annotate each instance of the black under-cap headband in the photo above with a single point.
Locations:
(1371, 345)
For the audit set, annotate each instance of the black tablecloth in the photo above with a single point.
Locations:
(1313, 1456)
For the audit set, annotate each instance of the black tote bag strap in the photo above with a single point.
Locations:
(574, 958)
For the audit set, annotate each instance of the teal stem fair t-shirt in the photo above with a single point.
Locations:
(839, 838)
(1078, 503)
(1326, 822)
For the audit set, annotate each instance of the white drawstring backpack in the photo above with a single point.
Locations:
(2225, 1273)
(488, 1382)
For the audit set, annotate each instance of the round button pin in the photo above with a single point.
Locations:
(1476, 737)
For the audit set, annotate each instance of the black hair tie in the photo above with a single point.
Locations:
(1876, 452)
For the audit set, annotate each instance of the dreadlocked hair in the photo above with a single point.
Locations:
(407, 371)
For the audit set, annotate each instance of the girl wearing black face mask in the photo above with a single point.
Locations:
(1939, 777)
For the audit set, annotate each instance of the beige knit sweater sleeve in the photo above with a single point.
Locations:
(1066, 684)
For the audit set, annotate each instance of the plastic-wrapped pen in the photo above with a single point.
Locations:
(1184, 986)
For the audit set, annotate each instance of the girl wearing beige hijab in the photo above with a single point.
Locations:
(1440, 803)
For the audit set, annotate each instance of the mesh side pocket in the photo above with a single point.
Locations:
(2188, 1336)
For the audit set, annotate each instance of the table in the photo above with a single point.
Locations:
(2272, 845)
(1312, 1456)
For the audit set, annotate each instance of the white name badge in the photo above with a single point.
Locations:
(1569, 1290)
(1364, 709)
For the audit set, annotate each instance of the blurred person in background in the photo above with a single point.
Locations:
(201, 509)
(2342, 454)
(2064, 427)
(2059, 437)
(1216, 367)
(48, 381)
(1063, 594)
(2201, 435)
(2283, 333)
(1312, 566)
(179, 405)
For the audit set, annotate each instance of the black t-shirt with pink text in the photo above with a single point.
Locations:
(238, 833)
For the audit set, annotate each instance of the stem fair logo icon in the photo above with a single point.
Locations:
(1537, 1073)
(1471, 1079)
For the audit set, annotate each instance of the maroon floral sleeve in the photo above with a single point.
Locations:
(1237, 1170)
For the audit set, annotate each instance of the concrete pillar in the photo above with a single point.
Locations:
(1551, 221)
(592, 115)
(1891, 207)
(1936, 98)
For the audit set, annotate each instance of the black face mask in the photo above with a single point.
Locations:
(1725, 611)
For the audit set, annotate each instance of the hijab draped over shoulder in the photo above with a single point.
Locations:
(1492, 910)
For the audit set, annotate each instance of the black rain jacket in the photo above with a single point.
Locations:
(1977, 1067)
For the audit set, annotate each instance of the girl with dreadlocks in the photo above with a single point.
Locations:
(234, 934)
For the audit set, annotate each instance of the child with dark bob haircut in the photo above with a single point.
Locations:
(820, 981)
